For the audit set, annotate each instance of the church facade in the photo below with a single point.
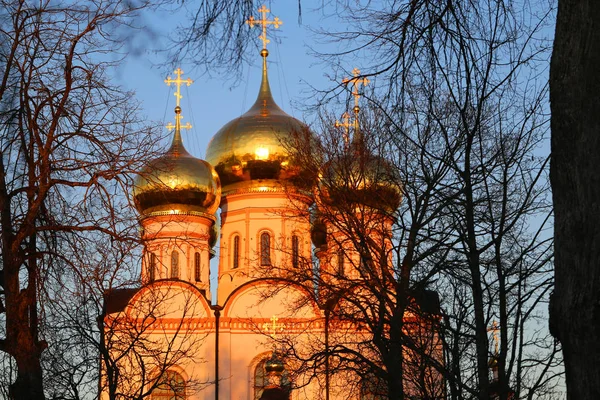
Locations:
(169, 339)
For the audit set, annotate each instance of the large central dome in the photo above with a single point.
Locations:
(255, 147)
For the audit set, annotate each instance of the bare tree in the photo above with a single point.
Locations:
(215, 35)
(154, 334)
(463, 116)
(381, 269)
(68, 141)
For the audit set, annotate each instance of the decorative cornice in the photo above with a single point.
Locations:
(177, 213)
(305, 195)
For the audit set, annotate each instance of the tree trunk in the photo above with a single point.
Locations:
(21, 342)
(575, 178)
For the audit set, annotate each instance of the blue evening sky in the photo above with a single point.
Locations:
(210, 102)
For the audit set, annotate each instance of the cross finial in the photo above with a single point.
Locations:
(346, 125)
(355, 82)
(495, 328)
(178, 82)
(263, 21)
(273, 328)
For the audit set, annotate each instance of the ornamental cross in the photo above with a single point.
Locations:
(178, 82)
(495, 328)
(272, 328)
(356, 82)
(178, 117)
(276, 22)
(346, 125)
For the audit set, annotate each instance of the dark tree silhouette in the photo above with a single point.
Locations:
(575, 121)
(69, 140)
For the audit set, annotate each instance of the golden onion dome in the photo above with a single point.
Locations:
(177, 182)
(359, 177)
(254, 147)
(274, 364)
(318, 230)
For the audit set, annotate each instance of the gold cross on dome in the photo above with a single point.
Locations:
(178, 117)
(356, 82)
(276, 22)
(495, 328)
(346, 125)
(178, 82)
(272, 328)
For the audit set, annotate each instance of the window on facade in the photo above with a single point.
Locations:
(265, 249)
(175, 264)
(260, 380)
(152, 268)
(170, 387)
(363, 266)
(371, 388)
(295, 251)
(236, 251)
(197, 267)
(340, 262)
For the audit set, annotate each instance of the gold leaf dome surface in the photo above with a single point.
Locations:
(177, 182)
(359, 177)
(274, 364)
(254, 146)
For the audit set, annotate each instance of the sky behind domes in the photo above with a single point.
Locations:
(211, 102)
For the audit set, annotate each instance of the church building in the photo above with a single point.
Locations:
(169, 339)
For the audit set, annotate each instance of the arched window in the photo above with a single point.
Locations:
(295, 251)
(175, 264)
(197, 267)
(363, 266)
(236, 252)
(152, 268)
(340, 262)
(265, 248)
(372, 388)
(170, 387)
(260, 380)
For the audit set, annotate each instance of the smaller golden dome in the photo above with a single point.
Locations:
(177, 182)
(359, 177)
(318, 231)
(274, 364)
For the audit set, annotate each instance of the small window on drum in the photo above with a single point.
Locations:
(295, 251)
(236, 252)
(265, 249)
(175, 264)
(197, 267)
(152, 268)
(341, 257)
